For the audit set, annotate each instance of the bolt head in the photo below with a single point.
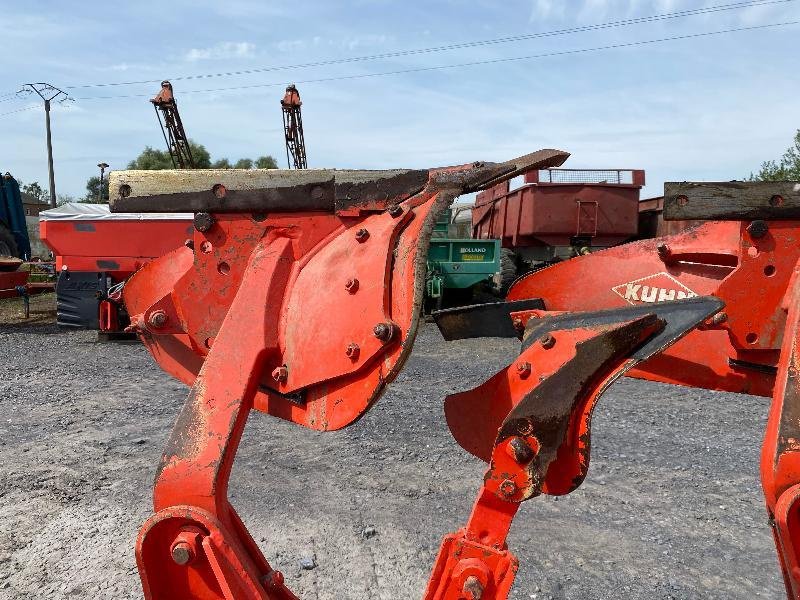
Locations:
(203, 221)
(280, 374)
(663, 250)
(547, 341)
(508, 488)
(383, 331)
(473, 588)
(758, 229)
(395, 210)
(158, 318)
(523, 369)
(189, 244)
(182, 553)
(362, 235)
(351, 285)
(352, 351)
(519, 450)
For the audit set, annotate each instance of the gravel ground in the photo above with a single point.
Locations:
(671, 507)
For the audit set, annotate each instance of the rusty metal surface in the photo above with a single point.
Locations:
(376, 190)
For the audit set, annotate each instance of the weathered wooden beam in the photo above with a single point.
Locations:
(731, 200)
(221, 190)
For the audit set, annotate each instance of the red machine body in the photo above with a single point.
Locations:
(299, 295)
(96, 251)
(89, 238)
(560, 208)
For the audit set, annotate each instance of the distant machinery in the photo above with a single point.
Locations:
(172, 127)
(293, 129)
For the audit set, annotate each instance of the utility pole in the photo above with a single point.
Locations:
(47, 93)
(103, 166)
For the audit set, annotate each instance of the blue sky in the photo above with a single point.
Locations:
(703, 108)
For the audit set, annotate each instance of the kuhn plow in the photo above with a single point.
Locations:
(299, 296)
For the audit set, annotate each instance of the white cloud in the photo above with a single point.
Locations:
(222, 50)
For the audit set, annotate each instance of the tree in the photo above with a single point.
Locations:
(785, 169)
(35, 191)
(62, 199)
(92, 185)
(222, 163)
(266, 162)
(153, 160)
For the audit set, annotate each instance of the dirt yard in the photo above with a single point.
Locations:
(671, 508)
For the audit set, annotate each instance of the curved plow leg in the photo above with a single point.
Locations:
(532, 423)
(195, 546)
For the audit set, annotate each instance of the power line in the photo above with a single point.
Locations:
(467, 64)
(456, 46)
(19, 110)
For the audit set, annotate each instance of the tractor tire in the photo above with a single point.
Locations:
(508, 270)
(8, 246)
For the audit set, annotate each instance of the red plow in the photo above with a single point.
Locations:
(300, 294)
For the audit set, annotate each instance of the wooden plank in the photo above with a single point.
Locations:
(242, 190)
(731, 200)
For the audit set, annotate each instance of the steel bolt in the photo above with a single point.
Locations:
(473, 588)
(663, 251)
(547, 341)
(182, 553)
(518, 325)
(519, 450)
(362, 235)
(158, 318)
(524, 369)
(280, 374)
(352, 351)
(351, 285)
(189, 244)
(757, 229)
(395, 210)
(383, 331)
(203, 221)
(508, 488)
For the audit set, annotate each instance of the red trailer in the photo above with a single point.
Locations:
(558, 214)
(96, 251)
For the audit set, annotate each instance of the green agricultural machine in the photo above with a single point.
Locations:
(458, 265)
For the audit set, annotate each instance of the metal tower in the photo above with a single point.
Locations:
(293, 129)
(172, 127)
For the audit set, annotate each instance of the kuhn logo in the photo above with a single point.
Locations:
(661, 287)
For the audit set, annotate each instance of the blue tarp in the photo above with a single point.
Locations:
(12, 215)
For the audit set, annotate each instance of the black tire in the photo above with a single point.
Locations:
(8, 246)
(508, 270)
